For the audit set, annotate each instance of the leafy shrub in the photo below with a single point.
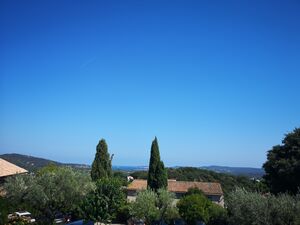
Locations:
(104, 202)
(252, 208)
(52, 190)
(193, 208)
(151, 206)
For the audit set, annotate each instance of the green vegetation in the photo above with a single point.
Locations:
(157, 175)
(52, 190)
(246, 208)
(144, 207)
(101, 167)
(167, 211)
(29, 163)
(196, 207)
(104, 202)
(151, 206)
(193, 208)
(33, 164)
(283, 165)
(61, 189)
(4, 210)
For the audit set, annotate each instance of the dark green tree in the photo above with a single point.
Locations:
(157, 174)
(101, 167)
(193, 208)
(104, 203)
(283, 165)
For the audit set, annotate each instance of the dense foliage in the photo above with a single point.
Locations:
(153, 206)
(283, 165)
(144, 207)
(195, 207)
(251, 208)
(101, 167)
(157, 175)
(4, 210)
(50, 191)
(104, 202)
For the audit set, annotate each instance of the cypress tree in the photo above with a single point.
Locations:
(157, 174)
(101, 167)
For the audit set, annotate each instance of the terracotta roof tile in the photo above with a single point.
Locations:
(7, 168)
(208, 188)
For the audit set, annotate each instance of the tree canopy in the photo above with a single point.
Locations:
(193, 208)
(101, 166)
(52, 190)
(151, 206)
(157, 174)
(283, 165)
(104, 203)
(246, 208)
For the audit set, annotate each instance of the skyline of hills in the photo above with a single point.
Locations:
(32, 163)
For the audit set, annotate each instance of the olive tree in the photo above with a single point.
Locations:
(153, 206)
(48, 192)
(253, 208)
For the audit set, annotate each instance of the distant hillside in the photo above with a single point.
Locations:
(239, 171)
(130, 168)
(29, 163)
(32, 163)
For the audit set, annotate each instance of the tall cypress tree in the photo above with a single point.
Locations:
(157, 174)
(101, 167)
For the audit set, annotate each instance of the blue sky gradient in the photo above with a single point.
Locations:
(216, 81)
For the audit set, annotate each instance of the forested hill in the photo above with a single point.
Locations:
(228, 182)
(244, 171)
(32, 163)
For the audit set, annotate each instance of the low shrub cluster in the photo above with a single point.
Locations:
(252, 208)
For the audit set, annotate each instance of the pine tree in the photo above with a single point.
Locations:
(157, 175)
(101, 167)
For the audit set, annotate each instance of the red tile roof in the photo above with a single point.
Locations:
(208, 188)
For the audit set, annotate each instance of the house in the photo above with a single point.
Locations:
(8, 169)
(212, 190)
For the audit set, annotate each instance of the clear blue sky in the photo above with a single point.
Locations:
(218, 82)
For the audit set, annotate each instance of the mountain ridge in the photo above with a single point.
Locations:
(32, 163)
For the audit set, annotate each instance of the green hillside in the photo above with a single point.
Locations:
(29, 163)
(32, 163)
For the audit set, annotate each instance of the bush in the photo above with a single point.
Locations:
(193, 208)
(144, 208)
(217, 215)
(105, 202)
(151, 206)
(255, 209)
(52, 190)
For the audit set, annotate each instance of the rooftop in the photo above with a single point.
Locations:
(208, 188)
(7, 168)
